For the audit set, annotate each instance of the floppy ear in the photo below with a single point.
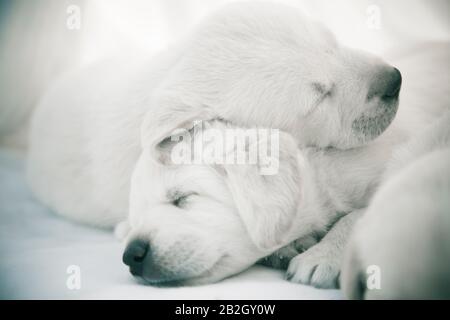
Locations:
(268, 204)
(164, 118)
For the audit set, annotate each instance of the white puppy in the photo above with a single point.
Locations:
(266, 64)
(401, 246)
(251, 64)
(199, 223)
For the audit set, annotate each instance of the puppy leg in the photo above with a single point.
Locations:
(280, 259)
(320, 265)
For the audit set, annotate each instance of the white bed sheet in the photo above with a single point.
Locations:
(36, 248)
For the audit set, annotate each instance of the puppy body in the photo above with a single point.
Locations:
(404, 232)
(85, 139)
(343, 183)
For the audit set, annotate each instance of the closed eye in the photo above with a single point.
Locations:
(180, 201)
(321, 89)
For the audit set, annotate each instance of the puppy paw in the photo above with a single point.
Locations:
(317, 266)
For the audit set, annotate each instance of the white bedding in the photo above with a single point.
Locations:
(36, 248)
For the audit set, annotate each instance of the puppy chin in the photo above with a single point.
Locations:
(367, 127)
(210, 275)
(222, 269)
(162, 283)
(168, 282)
(203, 279)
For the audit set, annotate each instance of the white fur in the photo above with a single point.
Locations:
(252, 64)
(232, 216)
(262, 64)
(405, 231)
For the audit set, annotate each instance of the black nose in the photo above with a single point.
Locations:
(393, 83)
(134, 256)
(386, 85)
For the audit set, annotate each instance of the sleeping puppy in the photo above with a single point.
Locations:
(268, 65)
(253, 64)
(405, 232)
(199, 222)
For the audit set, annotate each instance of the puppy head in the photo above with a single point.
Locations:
(357, 106)
(201, 222)
(267, 65)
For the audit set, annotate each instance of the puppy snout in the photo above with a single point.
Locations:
(134, 256)
(386, 84)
